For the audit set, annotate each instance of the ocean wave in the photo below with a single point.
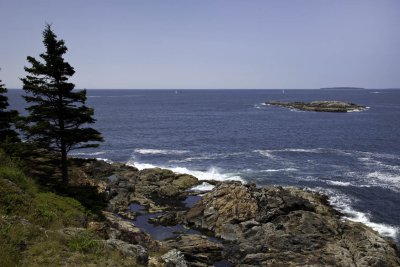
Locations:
(106, 160)
(207, 157)
(87, 153)
(377, 164)
(339, 183)
(362, 155)
(280, 170)
(212, 173)
(266, 153)
(149, 151)
(391, 180)
(344, 204)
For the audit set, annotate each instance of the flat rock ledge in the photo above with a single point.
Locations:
(319, 106)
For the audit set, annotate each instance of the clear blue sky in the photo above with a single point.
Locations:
(210, 44)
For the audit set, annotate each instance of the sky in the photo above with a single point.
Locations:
(171, 44)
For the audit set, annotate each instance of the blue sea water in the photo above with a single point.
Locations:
(230, 134)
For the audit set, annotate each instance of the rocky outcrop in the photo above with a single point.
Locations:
(198, 250)
(320, 106)
(154, 188)
(249, 225)
(128, 232)
(275, 226)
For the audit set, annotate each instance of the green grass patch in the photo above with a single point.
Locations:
(58, 211)
(85, 242)
(16, 175)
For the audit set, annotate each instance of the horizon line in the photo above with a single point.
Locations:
(321, 88)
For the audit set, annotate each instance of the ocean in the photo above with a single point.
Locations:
(354, 157)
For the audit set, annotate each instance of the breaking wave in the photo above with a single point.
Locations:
(87, 153)
(203, 187)
(149, 151)
(344, 204)
(211, 173)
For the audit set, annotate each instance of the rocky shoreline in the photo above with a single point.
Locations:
(319, 106)
(232, 225)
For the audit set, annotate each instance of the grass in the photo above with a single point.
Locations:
(85, 242)
(33, 222)
(57, 211)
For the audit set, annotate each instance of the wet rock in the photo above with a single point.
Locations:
(128, 232)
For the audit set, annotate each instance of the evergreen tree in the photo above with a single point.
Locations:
(7, 118)
(57, 114)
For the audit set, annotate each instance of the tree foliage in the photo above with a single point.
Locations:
(7, 118)
(58, 117)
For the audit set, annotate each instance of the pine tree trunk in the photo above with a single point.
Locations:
(64, 164)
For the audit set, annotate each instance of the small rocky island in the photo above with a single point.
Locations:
(319, 106)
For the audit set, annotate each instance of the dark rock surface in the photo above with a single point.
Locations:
(320, 106)
(275, 226)
(198, 250)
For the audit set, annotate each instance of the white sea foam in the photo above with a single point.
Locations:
(339, 183)
(361, 154)
(212, 173)
(159, 151)
(88, 153)
(260, 105)
(384, 179)
(265, 153)
(343, 203)
(203, 187)
(106, 160)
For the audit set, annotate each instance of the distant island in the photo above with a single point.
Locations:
(341, 88)
(320, 106)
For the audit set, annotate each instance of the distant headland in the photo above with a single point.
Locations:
(342, 88)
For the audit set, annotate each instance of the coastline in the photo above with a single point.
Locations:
(159, 191)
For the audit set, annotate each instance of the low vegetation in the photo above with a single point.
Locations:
(42, 228)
